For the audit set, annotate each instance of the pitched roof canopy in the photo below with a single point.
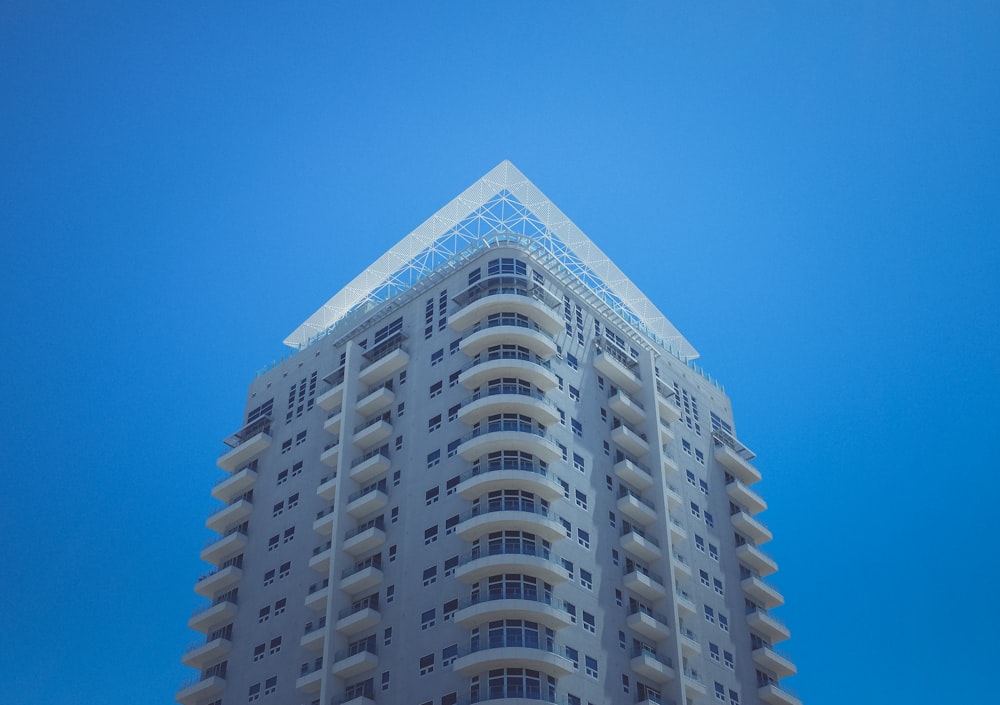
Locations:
(503, 202)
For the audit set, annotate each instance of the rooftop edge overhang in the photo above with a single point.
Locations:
(503, 202)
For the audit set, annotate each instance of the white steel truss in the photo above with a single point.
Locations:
(502, 202)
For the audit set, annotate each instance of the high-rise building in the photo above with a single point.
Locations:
(488, 474)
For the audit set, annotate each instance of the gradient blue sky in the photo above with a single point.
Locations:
(808, 190)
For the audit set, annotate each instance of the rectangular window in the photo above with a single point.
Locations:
(426, 664)
(427, 619)
(709, 615)
(453, 378)
(591, 666)
(430, 575)
(589, 624)
(430, 535)
(729, 660)
(448, 609)
(574, 393)
(578, 462)
(385, 680)
(577, 428)
(275, 646)
(453, 412)
(713, 551)
(448, 656)
(435, 390)
(581, 499)
(453, 447)
(431, 496)
(434, 423)
(433, 458)
(583, 538)
(437, 356)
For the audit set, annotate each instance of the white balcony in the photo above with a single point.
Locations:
(630, 441)
(230, 515)
(217, 581)
(235, 485)
(513, 657)
(669, 411)
(333, 422)
(332, 398)
(364, 541)
(244, 452)
(685, 605)
(321, 558)
(736, 459)
(774, 694)
(549, 614)
(316, 599)
(205, 619)
(325, 522)
(547, 318)
(328, 487)
(369, 468)
(761, 592)
(484, 564)
(350, 665)
(673, 496)
(527, 440)
(218, 550)
(755, 559)
(669, 464)
(534, 406)
(642, 546)
(314, 638)
(372, 433)
(358, 581)
(649, 665)
(527, 477)
(364, 504)
(375, 400)
(310, 682)
(200, 690)
(690, 646)
(331, 455)
(666, 434)
(634, 474)
(751, 527)
(678, 532)
(773, 660)
(648, 585)
(694, 686)
(541, 524)
(637, 509)
(536, 341)
(359, 700)
(615, 367)
(651, 626)
(745, 497)
(384, 366)
(531, 371)
(771, 627)
(204, 654)
(357, 621)
(682, 569)
(627, 407)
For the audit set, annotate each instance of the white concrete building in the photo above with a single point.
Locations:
(488, 475)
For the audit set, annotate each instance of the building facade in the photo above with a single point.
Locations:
(488, 474)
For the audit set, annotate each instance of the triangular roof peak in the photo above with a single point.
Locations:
(503, 202)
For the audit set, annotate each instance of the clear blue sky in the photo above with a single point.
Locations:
(808, 190)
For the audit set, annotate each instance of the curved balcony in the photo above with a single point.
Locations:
(641, 545)
(490, 560)
(508, 334)
(755, 559)
(513, 604)
(534, 371)
(508, 399)
(513, 475)
(509, 435)
(547, 318)
(514, 653)
(512, 516)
